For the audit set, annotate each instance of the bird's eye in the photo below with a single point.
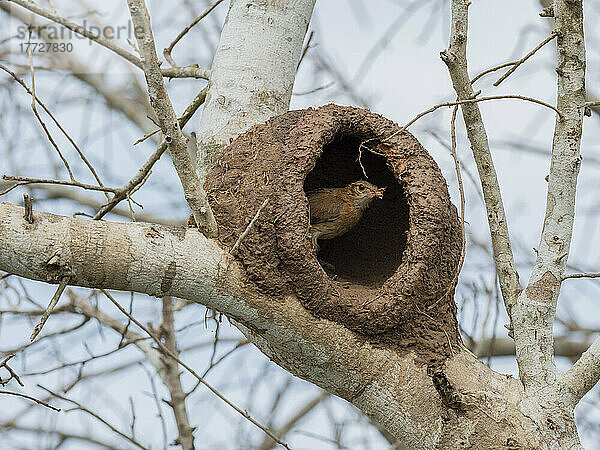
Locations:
(361, 187)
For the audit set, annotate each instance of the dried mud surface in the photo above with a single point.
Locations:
(400, 260)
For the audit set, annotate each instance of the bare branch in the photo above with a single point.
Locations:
(27, 180)
(176, 72)
(39, 118)
(167, 51)
(462, 205)
(11, 372)
(51, 305)
(248, 228)
(474, 100)
(536, 305)
(585, 373)
(580, 275)
(525, 58)
(455, 59)
(29, 397)
(56, 192)
(175, 139)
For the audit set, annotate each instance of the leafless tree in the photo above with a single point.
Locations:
(189, 357)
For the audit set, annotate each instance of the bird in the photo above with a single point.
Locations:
(335, 211)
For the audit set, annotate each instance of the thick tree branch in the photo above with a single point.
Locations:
(390, 387)
(532, 310)
(585, 373)
(536, 306)
(590, 96)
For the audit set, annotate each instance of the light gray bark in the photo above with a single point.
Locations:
(390, 387)
(455, 58)
(173, 136)
(251, 81)
(251, 78)
(550, 395)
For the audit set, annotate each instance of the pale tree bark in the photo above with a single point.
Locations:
(251, 77)
(173, 136)
(455, 58)
(536, 306)
(392, 388)
(461, 403)
(551, 395)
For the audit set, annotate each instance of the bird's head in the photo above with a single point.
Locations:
(362, 193)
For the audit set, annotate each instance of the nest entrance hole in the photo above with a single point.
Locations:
(372, 251)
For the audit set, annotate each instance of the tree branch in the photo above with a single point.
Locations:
(585, 373)
(251, 78)
(174, 72)
(176, 141)
(179, 262)
(536, 306)
(455, 58)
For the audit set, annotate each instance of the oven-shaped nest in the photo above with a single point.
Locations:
(399, 262)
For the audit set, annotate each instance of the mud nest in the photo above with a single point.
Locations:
(400, 260)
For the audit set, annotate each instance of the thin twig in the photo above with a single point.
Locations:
(12, 373)
(37, 115)
(305, 49)
(462, 208)
(525, 58)
(492, 69)
(580, 275)
(169, 353)
(146, 136)
(248, 228)
(27, 180)
(167, 51)
(29, 397)
(477, 100)
(61, 287)
(461, 102)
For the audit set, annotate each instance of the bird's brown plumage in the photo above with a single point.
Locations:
(335, 211)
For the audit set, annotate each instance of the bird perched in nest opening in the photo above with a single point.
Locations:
(335, 211)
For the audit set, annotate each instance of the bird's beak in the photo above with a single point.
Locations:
(379, 193)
